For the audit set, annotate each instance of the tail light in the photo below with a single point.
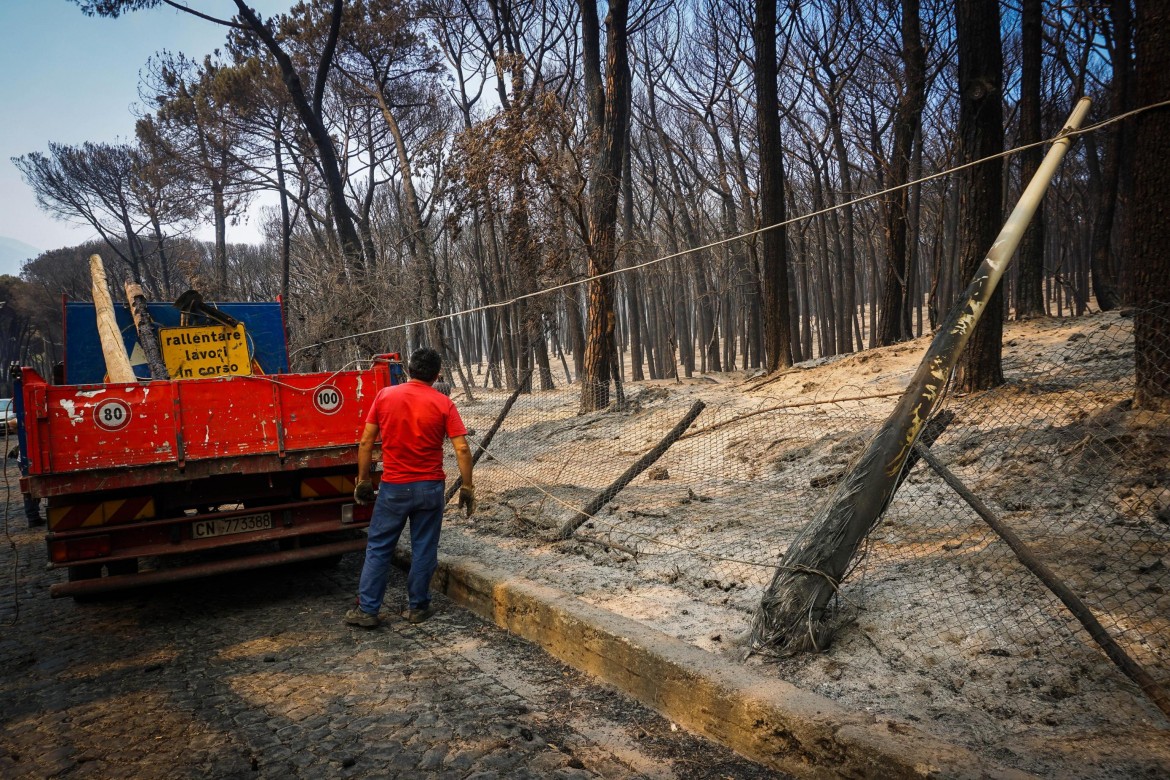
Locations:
(79, 549)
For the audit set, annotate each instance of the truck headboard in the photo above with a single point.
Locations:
(84, 363)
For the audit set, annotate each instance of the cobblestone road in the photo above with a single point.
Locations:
(255, 676)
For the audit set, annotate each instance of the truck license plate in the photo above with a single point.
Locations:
(204, 529)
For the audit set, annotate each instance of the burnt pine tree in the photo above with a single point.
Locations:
(92, 183)
(608, 109)
(1029, 289)
(192, 129)
(773, 260)
(1150, 216)
(980, 188)
(894, 323)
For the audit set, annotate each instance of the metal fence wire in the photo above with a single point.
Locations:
(1058, 452)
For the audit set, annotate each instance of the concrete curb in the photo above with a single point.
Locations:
(765, 719)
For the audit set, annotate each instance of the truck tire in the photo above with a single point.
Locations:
(87, 571)
(324, 564)
(122, 567)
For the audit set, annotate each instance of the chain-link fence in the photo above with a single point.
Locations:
(936, 598)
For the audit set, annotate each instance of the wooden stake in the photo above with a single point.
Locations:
(113, 348)
(146, 335)
(1132, 669)
(644, 462)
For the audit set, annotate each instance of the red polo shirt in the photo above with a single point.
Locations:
(414, 419)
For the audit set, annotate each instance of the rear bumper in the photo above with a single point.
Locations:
(243, 563)
(95, 481)
(304, 529)
(173, 535)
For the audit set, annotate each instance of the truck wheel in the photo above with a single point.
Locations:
(88, 571)
(122, 567)
(324, 564)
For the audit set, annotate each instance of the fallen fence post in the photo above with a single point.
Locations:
(481, 448)
(606, 545)
(1132, 669)
(643, 463)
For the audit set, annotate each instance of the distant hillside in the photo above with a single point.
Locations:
(13, 253)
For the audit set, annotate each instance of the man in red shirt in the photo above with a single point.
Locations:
(412, 420)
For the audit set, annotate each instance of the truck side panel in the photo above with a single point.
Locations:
(76, 428)
(224, 418)
(168, 424)
(315, 407)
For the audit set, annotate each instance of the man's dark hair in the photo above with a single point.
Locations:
(424, 365)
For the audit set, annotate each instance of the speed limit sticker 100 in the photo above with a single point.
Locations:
(327, 399)
(111, 414)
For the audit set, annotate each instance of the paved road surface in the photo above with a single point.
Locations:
(255, 676)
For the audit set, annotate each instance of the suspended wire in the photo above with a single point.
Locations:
(1064, 133)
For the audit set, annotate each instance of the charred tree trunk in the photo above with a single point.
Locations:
(285, 219)
(1150, 217)
(219, 218)
(848, 263)
(981, 187)
(608, 114)
(144, 324)
(894, 320)
(633, 293)
(773, 256)
(1029, 292)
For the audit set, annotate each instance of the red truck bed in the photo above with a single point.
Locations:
(82, 437)
(150, 469)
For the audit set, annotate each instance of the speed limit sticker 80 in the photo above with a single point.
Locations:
(111, 414)
(327, 399)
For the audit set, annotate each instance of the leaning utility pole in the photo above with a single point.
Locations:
(792, 616)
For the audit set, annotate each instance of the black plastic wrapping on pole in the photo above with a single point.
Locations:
(145, 327)
(792, 614)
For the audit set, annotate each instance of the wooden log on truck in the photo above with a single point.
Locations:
(113, 348)
(146, 335)
(644, 462)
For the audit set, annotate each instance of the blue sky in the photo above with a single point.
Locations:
(69, 78)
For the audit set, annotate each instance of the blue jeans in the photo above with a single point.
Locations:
(422, 504)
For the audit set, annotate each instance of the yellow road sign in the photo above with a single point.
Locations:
(204, 351)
